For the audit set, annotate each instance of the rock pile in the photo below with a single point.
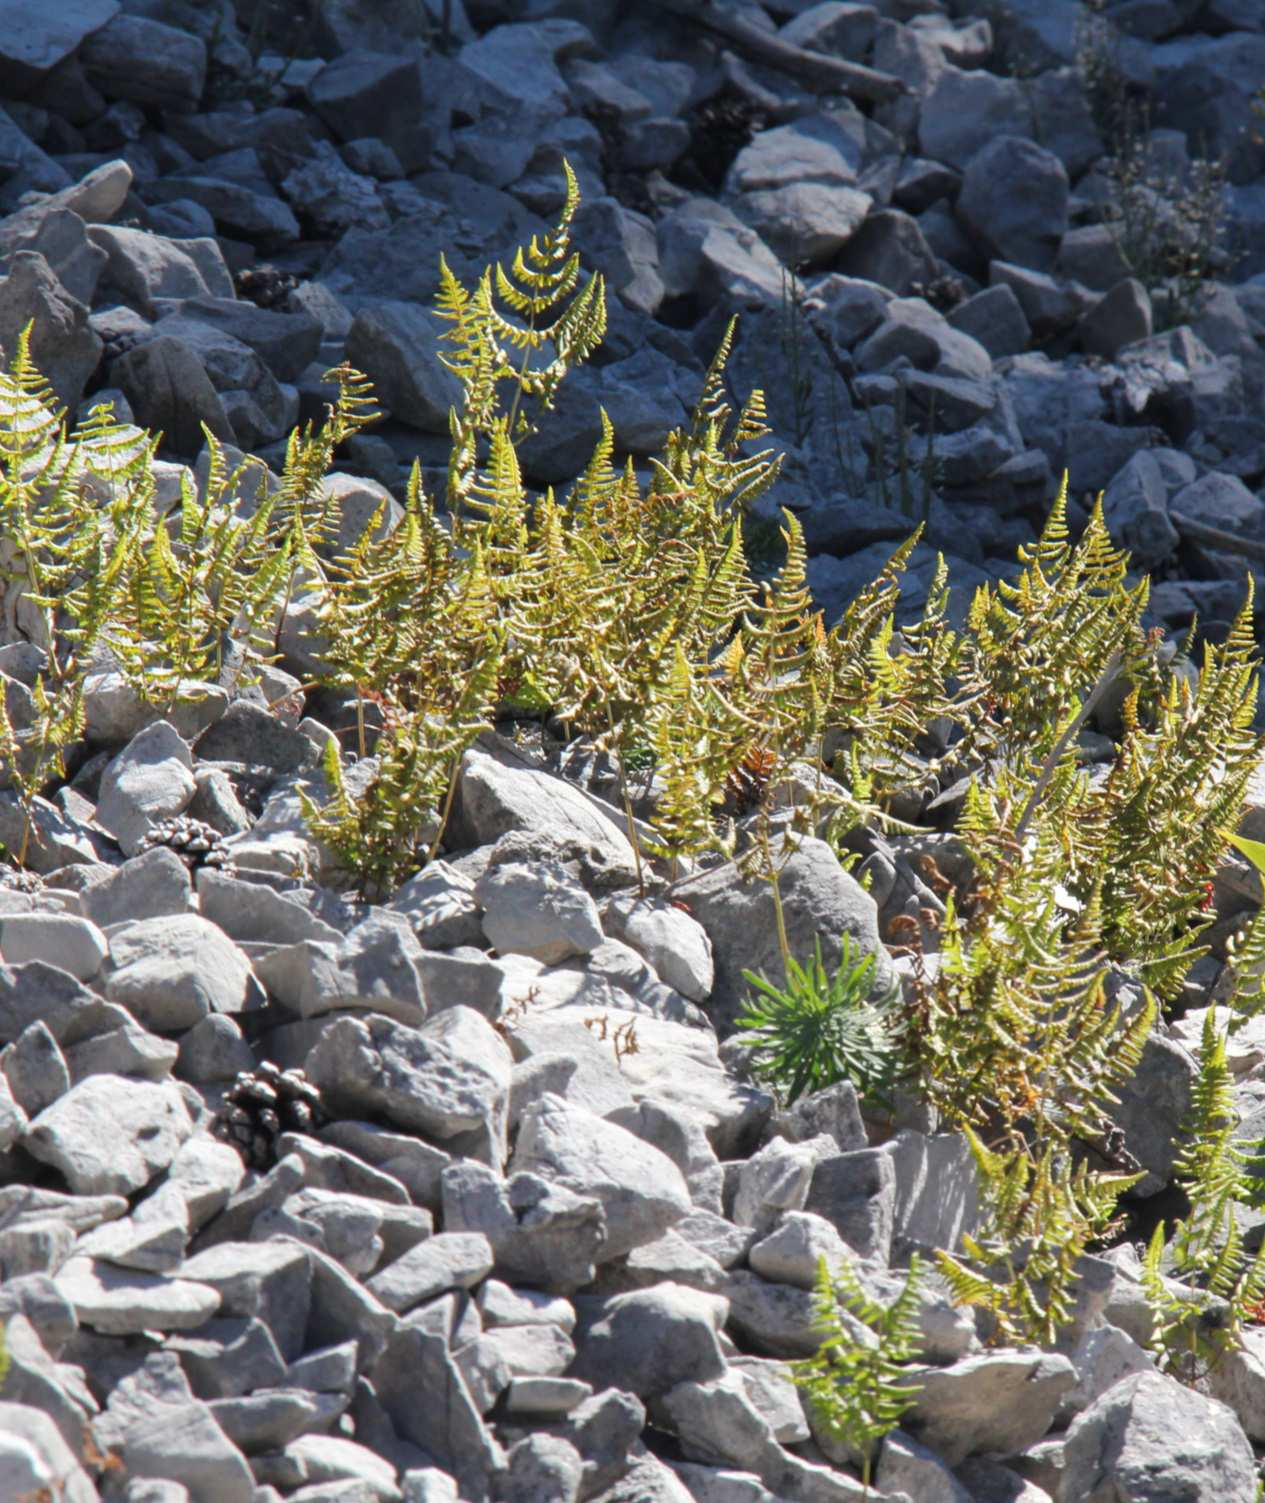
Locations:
(535, 1238)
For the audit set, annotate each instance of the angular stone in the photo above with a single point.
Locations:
(815, 148)
(31, 169)
(397, 346)
(965, 110)
(542, 1233)
(414, 1164)
(171, 972)
(908, 1468)
(378, 966)
(1014, 200)
(776, 1180)
(228, 1358)
(1120, 317)
(366, 94)
(994, 318)
(673, 943)
(537, 910)
(1149, 1427)
(890, 249)
(270, 1280)
(641, 1191)
(647, 1341)
(35, 1069)
(243, 211)
(147, 62)
(63, 344)
(124, 1302)
(497, 792)
(36, 42)
(449, 1078)
(185, 1442)
(818, 899)
(451, 1260)
(151, 885)
(287, 343)
(1135, 509)
(109, 1134)
(707, 251)
(856, 1193)
(1000, 1402)
(34, 1451)
(937, 1191)
(421, 1388)
(144, 267)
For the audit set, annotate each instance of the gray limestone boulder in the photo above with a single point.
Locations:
(641, 1190)
(450, 1078)
(537, 910)
(707, 250)
(1014, 201)
(998, 1402)
(965, 110)
(32, 169)
(63, 346)
(170, 393)
(110, 1135)
(1150, 1438)
(378, 967)
(36, 41)
(499, 790)
(647, 1341)
(147, 62)
(172, 971)
(143, 267)
(397, 346)
(1135, 509)
(542, 1233)
(1120, 317)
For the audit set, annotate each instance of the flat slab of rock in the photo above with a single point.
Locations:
(125, 1301)
(35, 38)
(1001, 1402)
(110, 1134)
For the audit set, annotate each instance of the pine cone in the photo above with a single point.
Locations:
(195, 842)
(264, 1103)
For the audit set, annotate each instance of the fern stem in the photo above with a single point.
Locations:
(783, 942)
(623, 789)
(1060, 746)
(443, 819)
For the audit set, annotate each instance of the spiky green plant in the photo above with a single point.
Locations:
(818, 1030)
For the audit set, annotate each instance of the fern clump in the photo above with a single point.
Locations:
(859, 1388)
(1205, 1250)
(624, 610)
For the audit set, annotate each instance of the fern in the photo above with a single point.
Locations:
(858, 1389)
(543, 274)
(1192, 1334)
(1042, 1214)
(376, 836)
